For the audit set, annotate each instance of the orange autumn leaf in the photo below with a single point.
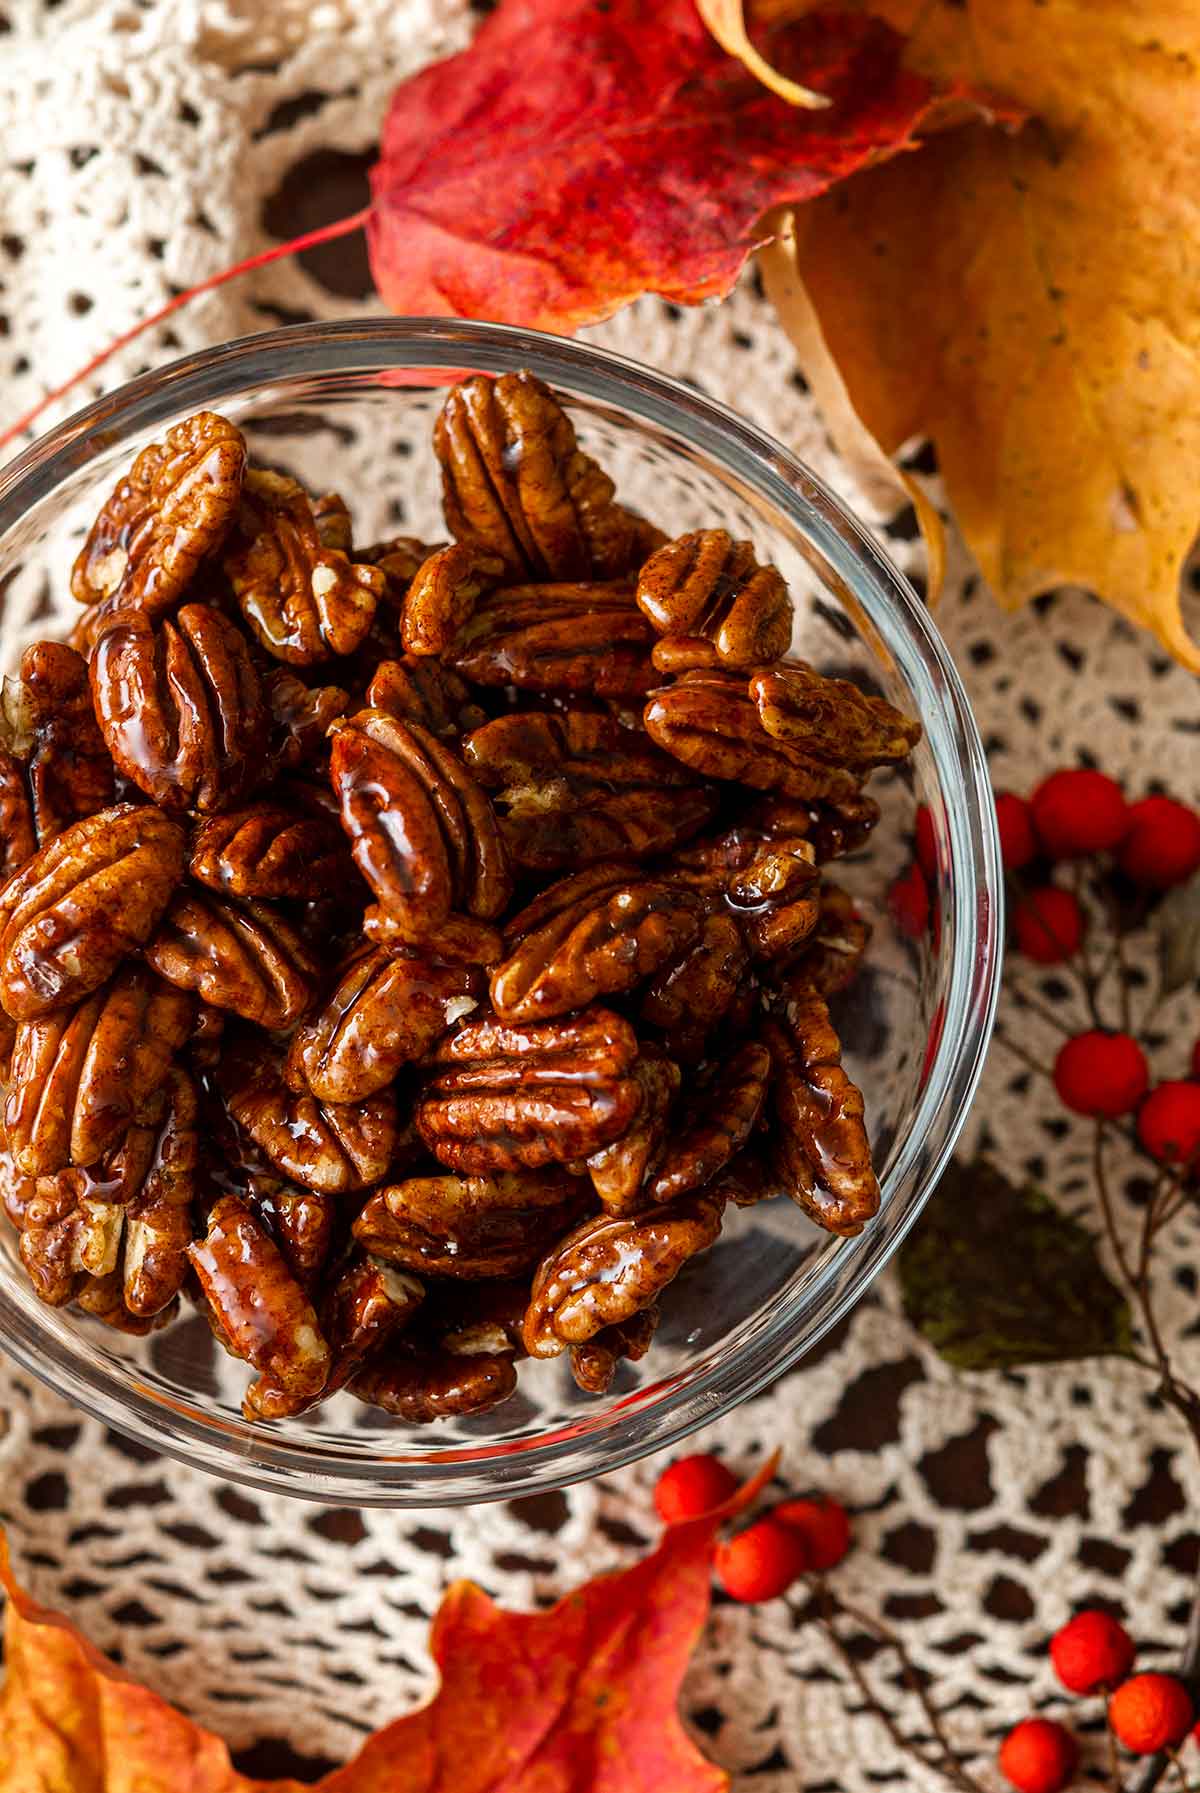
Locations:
(580, 1699)
(1027, 300)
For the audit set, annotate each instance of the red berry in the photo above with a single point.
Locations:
(1101, 1073)
(1076, 813)
(1168, 1122)
(824, 1525)
(1018, 844)
(692, 1485)
(1162, 844)
(1038, 1756)
(1049, 925)
(1151, 1712)
(762, 1561)
(924, 844)
(908, 900)
(1091, 1651)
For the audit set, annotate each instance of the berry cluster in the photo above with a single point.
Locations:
(797, 1537)
(1147, 1713)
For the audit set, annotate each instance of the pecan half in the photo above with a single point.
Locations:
(443, 595)
(332, 517)
(548, 638)
(831, 720)
(302, 1222)
(399, 558)
(84, 900)
(80, 1075)
(422, 832)
(243, 957)
(103, 1297)
(303, 600)
(577, 788)
(501, 1096)
(834, 829)
(723, 1110)
(332, 1147)
(710, 722)
(834, 953)
(422, 1386)
(619, 1172)
(301, 717)
(180, 707)
(777, 899)
(259, 1307)
(471, 1227)
(382, 1013)
(50, 724)
(174, 506)
(74, 1224)
(158, 1220)
(595, 934)
(713, 601)
(594, 1363)
(425, 692)
(18, 837)
(271, 851)
(516, 484)
(691, 995)
(822, 1149)
(609, 1269)
(473, 1319)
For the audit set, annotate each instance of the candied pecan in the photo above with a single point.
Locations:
(49, 723)
(715, 604)
(516, 484)
(594, 1363)
(830, 720)
(834, 829)
(723, 1111)
(80, 1075)
(575, 788)
(382, 1013)
(259, 1306)
(366, 1304)
(17, 1190)
(270, 851)
(73, 1226)
(595, 934)
(710, 722)
(460, 941)
(619, 1171)
(471, 1227)
(822, 1149)
(332, 1147)
(302, 1222)
(748, 1179)
(18, 839)
(399, 558)
(547, 638)
(239, 956)
(777, 899)
(443, 594)
(426, 692)
(831, 959)
(421, 830)
(158, 1219)
(103, 1297)
(501, 1095)
(472, 1319)
(421, 1386)
(84, 900)
(609, 1269)
(331, 515)
(174, 506)
(303, 600)
(181, 708)
(301, 717)
(690, 996)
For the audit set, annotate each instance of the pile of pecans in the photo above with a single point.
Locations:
(417, 1022)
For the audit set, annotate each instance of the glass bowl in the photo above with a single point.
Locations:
(350, 406)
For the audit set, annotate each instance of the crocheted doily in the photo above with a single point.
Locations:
(147, 143)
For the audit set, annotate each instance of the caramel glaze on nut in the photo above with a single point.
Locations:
(407, 952)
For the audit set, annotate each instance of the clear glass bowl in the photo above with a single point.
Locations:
(350, 406)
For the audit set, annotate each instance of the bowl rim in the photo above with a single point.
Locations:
(970, 890)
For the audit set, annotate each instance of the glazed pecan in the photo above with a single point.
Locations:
(422, 832)
(691, 995)
(303, 600)
(331, 514)
(302, 1222)
(74, 1224)
(180, 707)
(549, 638)
(158, 1219)
(103, 1297)
(609, 1269)
(239, 956)
(516, 484)
(833, 828)
(710, 722)
(382, 1013)
(425, 692)
(470, 1227)
(822, 1149)
(830, 720)
(831, 959)
(399, 558)
(301, 717)
(723, 1110)
(18, 838)
(501, 1096)
(443, 594)
(714, 603)
(421, 1386)
(473, 1319)
(576, 788)
(332, 1147)
(595, 934)
(366, 1304)
(84, 900)
(776, 900)
(259, 1307)
(49, 724)
(271, 851)
(594, 1363)
(79, 1076)
(620, 1171)
(17, 1190)
(174, 506)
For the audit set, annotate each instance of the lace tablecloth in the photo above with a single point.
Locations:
(145, 144)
